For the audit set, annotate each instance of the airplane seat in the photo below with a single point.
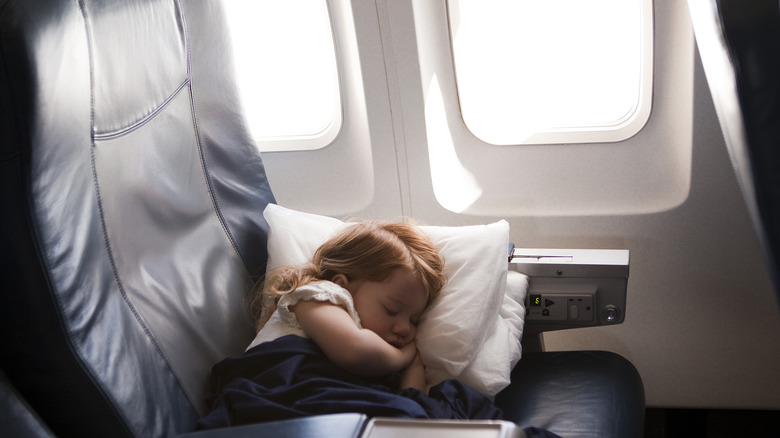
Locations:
(131, 227)
(739, 45)
(131, 198)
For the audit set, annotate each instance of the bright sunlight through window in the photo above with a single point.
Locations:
(286, 71)
(552, 71)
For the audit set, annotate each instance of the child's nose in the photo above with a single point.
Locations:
(402, 328)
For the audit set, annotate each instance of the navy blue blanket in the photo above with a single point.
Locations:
(291, 377)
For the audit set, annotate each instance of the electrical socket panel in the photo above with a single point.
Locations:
(560, 307)
(571, 288)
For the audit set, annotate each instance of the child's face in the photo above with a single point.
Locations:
(390, 308)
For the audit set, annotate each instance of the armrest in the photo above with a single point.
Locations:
(571, 288)
(576, 394)
(334, 425)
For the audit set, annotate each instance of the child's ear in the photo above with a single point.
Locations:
(341, 280)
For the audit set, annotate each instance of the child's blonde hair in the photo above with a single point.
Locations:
(367, 250)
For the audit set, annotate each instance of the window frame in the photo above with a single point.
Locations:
(625, 128)
(304, 141)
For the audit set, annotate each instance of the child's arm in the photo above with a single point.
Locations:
(359, 351)
(413, 376)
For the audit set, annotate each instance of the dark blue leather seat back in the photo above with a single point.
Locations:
(739, 46)
(131, 219)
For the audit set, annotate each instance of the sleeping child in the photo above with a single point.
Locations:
(338, 335)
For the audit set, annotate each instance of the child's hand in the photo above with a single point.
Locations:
(413, 376)
(410, 353)
(356, 350)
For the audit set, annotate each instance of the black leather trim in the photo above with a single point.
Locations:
(576, 394)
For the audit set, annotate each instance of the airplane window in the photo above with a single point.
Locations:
(286, 72)
(540, 71)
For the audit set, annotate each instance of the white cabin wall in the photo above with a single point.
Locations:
(702, 324)
(699, 295)
(357, 174)
(702, 321)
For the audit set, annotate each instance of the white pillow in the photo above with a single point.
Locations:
(490, 371)
(472, 331)
(457, 323)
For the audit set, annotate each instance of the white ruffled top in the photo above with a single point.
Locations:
(284, 322)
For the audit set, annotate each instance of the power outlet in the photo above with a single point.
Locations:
(580, 307)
